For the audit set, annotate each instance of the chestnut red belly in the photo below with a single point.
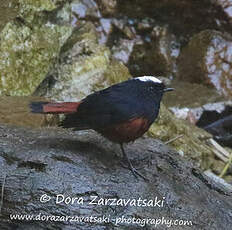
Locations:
(126, 131)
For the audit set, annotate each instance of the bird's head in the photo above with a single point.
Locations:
(155, 84)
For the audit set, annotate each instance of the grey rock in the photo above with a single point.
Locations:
(107, 7)
(83, 164)
(156, 55)
(206, 59)
(85, 9)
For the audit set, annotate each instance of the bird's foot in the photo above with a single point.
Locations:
(135, 172)
(130, 166)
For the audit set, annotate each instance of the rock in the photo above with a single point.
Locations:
(104, 30)
(8, 11)
(226, 6)
(156, 57)
(193, 141)
(218, 180)
(122, 29)
(225, 139)
(39, 6)
(30, 44)
(83, 67)
(107, 7)
(45, 163)
(35, 13)
(106, 25)
(206, 59)
(185, 93)
(184, 18)
(145, 24)
(123, 50)
(115, 72)
(148, 50)
(85, 9)
(217, 119)
(205, 114)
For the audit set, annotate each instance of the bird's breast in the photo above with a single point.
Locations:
(126, 131)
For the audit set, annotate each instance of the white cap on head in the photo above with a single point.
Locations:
(149, 78)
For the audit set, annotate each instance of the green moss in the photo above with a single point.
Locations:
(38, 5)
(31, 9)
(116, 72)
(26, 56)
(27, 52)
(29, 6)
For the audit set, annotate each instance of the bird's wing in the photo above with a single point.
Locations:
(108, 107)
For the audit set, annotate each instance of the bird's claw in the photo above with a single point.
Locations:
(135, 172)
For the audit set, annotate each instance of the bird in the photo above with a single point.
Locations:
(121, 113)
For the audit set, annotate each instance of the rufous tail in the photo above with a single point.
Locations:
(54, 108)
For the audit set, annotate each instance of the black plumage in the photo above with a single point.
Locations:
(116, 104)
(121, 113)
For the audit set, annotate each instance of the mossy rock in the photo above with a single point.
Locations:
(29, 9)
(84, 66)
(27, 51)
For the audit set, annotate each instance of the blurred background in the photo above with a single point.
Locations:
(63, 50)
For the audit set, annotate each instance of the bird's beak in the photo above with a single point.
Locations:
(168, 89)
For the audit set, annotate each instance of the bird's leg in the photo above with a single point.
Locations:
(131, 167)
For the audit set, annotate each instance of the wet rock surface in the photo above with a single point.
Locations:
(53, 161)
